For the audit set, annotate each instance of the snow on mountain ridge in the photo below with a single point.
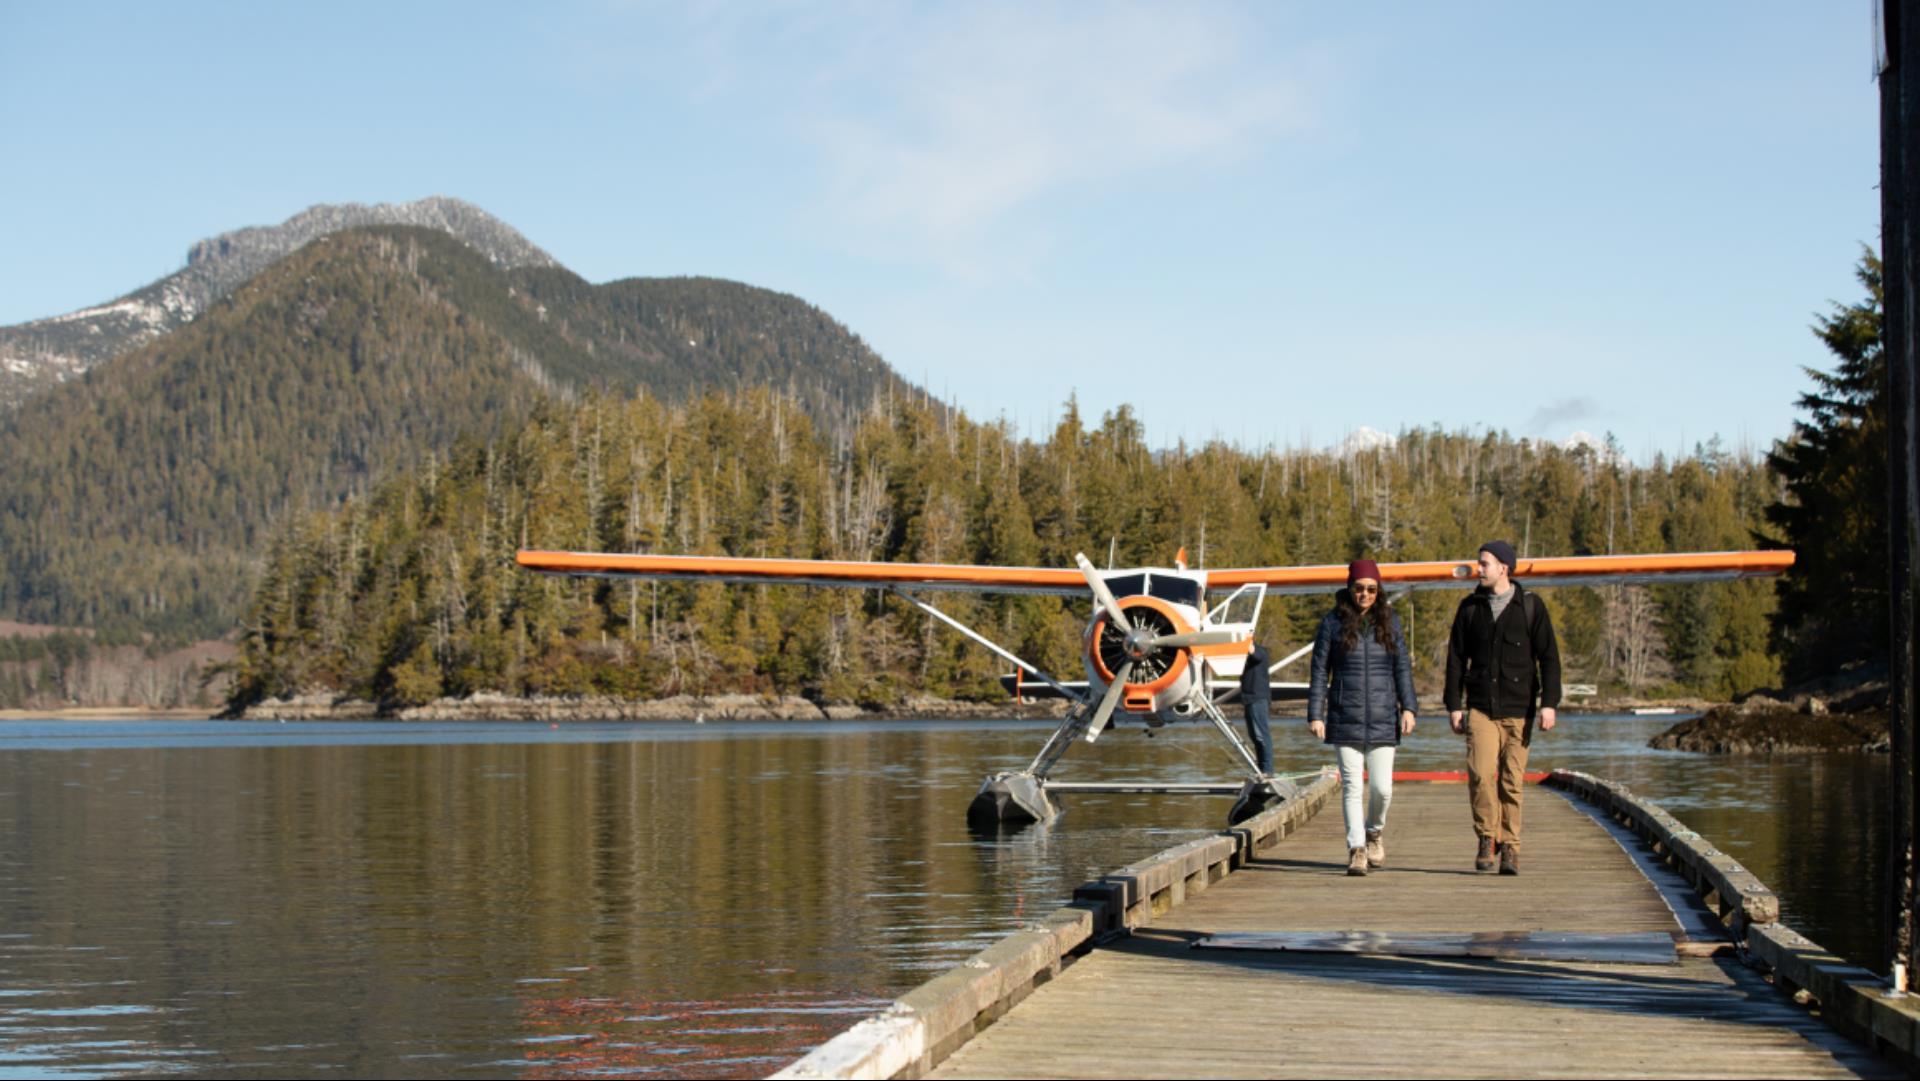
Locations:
(1364, 439)
(1588, 441)
(57, 348)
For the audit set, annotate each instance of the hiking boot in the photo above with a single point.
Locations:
(1356, 861)
(1483, 860)
(1376, 850)
(1509, 859)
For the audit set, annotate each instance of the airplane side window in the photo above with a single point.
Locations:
(1242, 607)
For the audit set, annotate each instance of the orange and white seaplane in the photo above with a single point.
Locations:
(1154, 649)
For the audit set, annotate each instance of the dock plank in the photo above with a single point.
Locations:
(1150, 1005)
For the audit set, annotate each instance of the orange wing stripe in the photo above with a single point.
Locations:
(815, 570)
(1067, 580)
(1544, 570)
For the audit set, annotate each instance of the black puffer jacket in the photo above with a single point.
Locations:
(1359, 692)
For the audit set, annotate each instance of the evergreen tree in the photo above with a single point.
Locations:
(1832, 506)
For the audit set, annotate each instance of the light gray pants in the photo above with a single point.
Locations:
(1368, 811)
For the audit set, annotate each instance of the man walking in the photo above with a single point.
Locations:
(1503, 660)
(1256, 692)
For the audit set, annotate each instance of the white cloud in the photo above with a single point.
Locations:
(954, 118)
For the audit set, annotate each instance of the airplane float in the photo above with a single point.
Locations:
(1153, 648)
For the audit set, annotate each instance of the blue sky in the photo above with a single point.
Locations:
(1272, 223)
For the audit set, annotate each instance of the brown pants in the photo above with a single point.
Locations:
(1496, 768)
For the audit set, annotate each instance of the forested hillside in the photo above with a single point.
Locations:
(45, 352)
(410, 592)
(137, 497)
(138, 494)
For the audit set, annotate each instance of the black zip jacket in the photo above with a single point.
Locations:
(1506, 669)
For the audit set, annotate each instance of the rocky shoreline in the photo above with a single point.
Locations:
(1845, 713)
(746, 707)
(720, 707)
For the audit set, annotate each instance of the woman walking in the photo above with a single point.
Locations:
(1361, 700)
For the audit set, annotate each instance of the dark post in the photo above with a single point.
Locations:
(1899, 72)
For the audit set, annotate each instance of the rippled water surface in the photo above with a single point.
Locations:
(695, 900)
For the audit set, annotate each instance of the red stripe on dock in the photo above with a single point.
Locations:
(1455, 776)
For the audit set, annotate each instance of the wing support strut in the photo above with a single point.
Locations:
(1014, 798)
(936, 613)
(1227, 733)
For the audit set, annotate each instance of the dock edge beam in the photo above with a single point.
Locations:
(1854, 1001)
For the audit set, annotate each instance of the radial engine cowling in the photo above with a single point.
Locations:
(1162, 676)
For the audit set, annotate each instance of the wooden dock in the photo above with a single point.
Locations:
(1389, 975)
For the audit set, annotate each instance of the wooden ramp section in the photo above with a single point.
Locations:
(1152, 1005)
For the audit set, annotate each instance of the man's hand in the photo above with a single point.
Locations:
(1546, 719)
(1458, 720)
(1318, 728)
(1406, 722)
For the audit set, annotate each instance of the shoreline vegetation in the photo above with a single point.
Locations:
(739, 707)
(716, 707)
(605, 708)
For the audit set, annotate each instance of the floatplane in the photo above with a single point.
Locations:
(1154, 648)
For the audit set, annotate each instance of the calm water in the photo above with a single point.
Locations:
(490, 900)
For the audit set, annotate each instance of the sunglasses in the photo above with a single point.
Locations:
(1364, 588)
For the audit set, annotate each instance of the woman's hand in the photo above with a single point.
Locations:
(1406, 722)
(1318, 728)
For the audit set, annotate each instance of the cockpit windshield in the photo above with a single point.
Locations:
(1178, 590)
(1166, 587)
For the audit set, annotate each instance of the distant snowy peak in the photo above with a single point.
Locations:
(1364, 439)
(1592, 444)
(53, 350)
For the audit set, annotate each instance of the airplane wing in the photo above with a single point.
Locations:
(1558, 571)
(1065, 582)
(1068, 582)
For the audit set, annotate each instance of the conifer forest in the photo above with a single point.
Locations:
(411, 593)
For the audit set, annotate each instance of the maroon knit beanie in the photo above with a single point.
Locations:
(1362, 568)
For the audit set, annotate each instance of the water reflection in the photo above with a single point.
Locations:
(689, 900)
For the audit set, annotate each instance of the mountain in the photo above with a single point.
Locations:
(1363, 440)
(139, 495)
(46, 351)
(1605, 451)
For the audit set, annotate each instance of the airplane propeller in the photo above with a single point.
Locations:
(1109, 700)
(1100, 591)
(1136, 644)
